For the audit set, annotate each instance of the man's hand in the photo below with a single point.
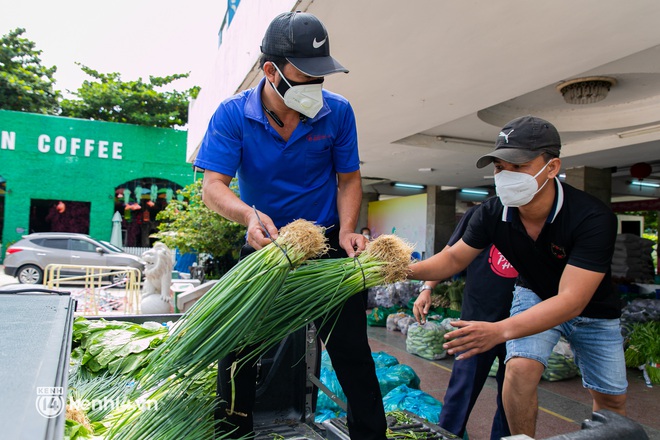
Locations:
(422, 306)
(472, 337)
(352, 242)
(256, 235)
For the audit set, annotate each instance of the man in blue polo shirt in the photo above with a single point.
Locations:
(293, 146)
(561, 241)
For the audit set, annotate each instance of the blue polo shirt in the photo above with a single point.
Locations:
(287, 180)
(580, 231)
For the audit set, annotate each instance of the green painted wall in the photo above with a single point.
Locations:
(51, 157)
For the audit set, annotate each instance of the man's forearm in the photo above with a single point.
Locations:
(218, 197)
(450, 261)
(349, 199)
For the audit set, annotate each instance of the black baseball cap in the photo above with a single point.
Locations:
(522, 140)
(301, 38)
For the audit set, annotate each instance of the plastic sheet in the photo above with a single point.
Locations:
(415, 401)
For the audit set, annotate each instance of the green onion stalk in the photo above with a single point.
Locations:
(320, 286)
(103, 391)
(234, 307)
(174, 410)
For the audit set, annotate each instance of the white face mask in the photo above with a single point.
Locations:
(517, 189)
(306, 99)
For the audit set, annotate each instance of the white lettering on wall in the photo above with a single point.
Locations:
(73, 146)
(103, 149)
(116, 150)
(89, 147)
(44, 143)
(8, 140)
(60, 145)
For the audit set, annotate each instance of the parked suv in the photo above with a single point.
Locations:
(27, 258)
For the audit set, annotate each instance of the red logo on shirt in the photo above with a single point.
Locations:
(558, 251)
(501, 265)
(316, 137)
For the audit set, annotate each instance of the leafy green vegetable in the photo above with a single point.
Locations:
(644, 348)
(75, 431)
(114, 346)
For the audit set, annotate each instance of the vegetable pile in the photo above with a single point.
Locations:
(448, 295)
(643, 349)
(114, 346)
(102, 395)
(262, 299)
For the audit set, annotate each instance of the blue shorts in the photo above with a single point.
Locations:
(596, 343)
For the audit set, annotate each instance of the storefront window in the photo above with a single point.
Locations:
(139, 201)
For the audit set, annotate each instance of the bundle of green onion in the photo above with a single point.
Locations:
(226, 315)
(259, 302)
(318, 287)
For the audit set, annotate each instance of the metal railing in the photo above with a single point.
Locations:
(123, 292)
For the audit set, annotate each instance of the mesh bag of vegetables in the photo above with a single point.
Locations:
(561, 365)
(425, 340)
(404, 324)
(393, 320)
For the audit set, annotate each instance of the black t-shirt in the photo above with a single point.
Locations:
(489, 281)
(580, 231)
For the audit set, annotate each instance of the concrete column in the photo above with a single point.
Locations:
(363, 219)
(595, 181)
(440, 218)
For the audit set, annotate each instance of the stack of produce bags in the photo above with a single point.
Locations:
(632, 258)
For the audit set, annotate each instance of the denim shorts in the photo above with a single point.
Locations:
(596, 343)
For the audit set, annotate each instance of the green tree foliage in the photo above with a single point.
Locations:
(25, 85)
(190, 226)
(108, 98)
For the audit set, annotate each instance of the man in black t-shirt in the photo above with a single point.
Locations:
(561, 241)
(489, 281)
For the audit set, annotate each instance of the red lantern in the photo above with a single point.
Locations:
(641, 170)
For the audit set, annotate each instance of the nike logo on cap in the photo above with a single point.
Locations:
(318, 44)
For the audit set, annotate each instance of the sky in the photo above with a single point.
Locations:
(136, 38)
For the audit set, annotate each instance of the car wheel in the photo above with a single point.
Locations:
(117, 278)
(30, 274)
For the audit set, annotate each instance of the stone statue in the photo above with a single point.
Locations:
(156, 294)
